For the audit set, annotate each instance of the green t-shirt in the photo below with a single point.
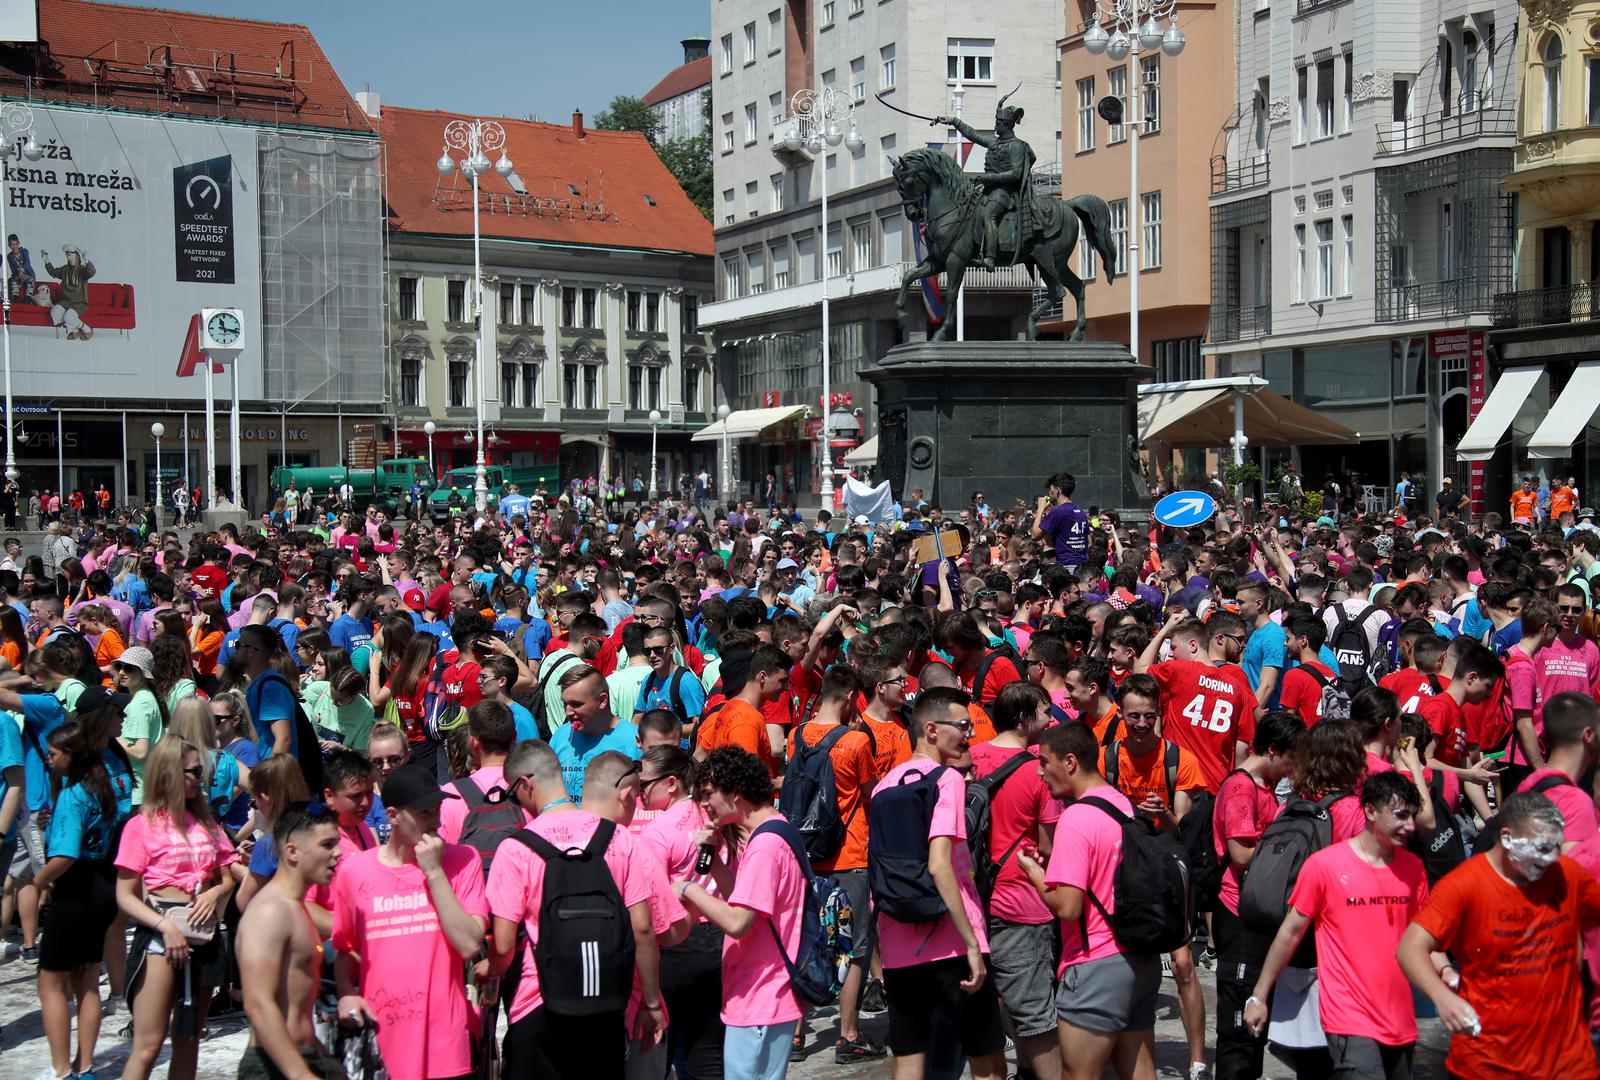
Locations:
(141, 719)
(181, 689)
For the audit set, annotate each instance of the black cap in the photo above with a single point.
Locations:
(413, 787)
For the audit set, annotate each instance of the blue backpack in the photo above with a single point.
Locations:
(826, 922)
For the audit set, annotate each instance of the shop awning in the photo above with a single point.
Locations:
(1198, 414)
(865, 454)
(1494, 418)
(746, 422)
(1569, 415)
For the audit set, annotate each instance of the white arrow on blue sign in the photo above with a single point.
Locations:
(1182, 509)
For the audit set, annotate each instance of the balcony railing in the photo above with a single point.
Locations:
(1404, 137)
(1547, 307)
(1228, 177)
(1240, 323)
(1305, 7)
(1435, 299)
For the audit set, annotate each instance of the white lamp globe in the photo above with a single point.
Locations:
(1119, 46)
(1173, 41)
(1095, 39)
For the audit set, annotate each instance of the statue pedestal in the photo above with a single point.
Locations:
(1001, 416)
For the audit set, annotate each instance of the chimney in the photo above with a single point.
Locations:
(577, 123)
(696, 48)
(368, 100)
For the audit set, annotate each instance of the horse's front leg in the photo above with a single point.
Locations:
(955, 271)
(916, 273)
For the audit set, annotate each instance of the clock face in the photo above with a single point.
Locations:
(223, 328)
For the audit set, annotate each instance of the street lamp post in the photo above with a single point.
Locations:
(1135, 27)
(476, 139)
(16, 122)
(429, 428)
(817, 116)
(725, 485)
(158, 429)
(655, 422)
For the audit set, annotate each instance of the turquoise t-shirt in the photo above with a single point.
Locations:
(79, 828)
(575, 750)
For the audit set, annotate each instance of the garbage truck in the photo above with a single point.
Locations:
(388, 485)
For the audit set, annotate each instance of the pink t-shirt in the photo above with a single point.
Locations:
(1575, 804)
(1243, 810)
(1522, 694)
(642, 816)
(665, 910)
(410, 975)
(453, 812)
(1021, 805)
(756, 990)
(670, 837)
(1561, 668)
(516, 885)
(1087, 848)
(907, 944)
(167, 858)
(1360, 911)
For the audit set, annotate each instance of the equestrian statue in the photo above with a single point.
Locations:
(996, 219)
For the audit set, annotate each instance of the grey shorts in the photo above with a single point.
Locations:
(854, 884)
(1022, 965)
(1357, 1057)
(1110, 995)
(27, 858)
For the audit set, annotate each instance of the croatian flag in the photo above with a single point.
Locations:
(932, 298)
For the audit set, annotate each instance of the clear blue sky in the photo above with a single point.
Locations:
(501, 58)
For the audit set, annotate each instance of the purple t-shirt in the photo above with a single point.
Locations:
(1067, 526)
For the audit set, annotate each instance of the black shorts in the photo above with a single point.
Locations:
(82, 906)
(587, 1047)
(914, 993)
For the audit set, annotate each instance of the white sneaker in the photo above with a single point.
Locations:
(50, 1074)
(10, 950)
(1199, 1071)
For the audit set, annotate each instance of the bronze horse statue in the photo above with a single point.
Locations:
(934, 189)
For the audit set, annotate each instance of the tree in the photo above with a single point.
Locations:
(630, 114)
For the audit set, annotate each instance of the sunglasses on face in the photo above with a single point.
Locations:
(392, 762)
(194, 770)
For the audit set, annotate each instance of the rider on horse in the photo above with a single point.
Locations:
(1007, 167)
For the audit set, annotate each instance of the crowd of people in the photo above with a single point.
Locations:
(628, 792)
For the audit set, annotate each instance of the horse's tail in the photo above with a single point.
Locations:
(1096, 217)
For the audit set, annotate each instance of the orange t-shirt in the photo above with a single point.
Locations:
(739, 723)
(1140, 777)
(1517, 947)
(891, 743)
(13, 654)
(982, 726)
(1563, 500)
(1101, 725)
(1523, 504)
(209, 647)
(854, 773)
(107, 649)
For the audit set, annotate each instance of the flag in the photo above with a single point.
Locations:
(932, 298)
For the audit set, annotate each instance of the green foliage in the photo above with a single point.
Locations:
(1246, 472)
(689, 160)
(1311, 505)
(629, 114)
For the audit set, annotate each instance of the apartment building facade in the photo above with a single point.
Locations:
(1359, 234)
(772, 246)
(679, 99)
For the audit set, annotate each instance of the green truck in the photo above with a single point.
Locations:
(454, 495)
(387, 485)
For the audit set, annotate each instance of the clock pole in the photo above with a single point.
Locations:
(211, 439)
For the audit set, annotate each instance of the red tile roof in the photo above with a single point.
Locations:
(616, 174)
(680, 80)
(177, 63)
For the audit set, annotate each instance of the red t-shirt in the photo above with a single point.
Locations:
(1449, 726)
(209, 581)
(1302, 691)
(1411, 686)
(1001, 671)
(1206, 708)
(460, 681)
(1243, 810)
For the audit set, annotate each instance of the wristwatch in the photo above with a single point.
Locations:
(1255, 999)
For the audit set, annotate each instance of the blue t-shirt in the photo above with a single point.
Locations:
(264, 857)
(1474, 623)
(378, 820)
(512, 505)
(248, 755)
(527, 726)
(1501, 640)
(230, 642)
(656, 693)
(288, 631)
(1067, 526)
(575, 750)
(1264, 649)
(349, 632)
(79, 828)
(270, 700)
(11, 758)
(42, 714)
(122, 783)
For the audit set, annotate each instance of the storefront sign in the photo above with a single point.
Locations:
(1467, 347)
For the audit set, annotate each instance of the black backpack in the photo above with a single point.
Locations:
(980, 823)
(1301, 827)
(1357, 661)
(674, 695)
(1002, 651)
(1489, 835)
(548, 671)
(1198, 838)
(1335, 701)
(492, 816)
(1441, 848)
(1150, 886)
(809, 798)
(898, 819)
(584, 955)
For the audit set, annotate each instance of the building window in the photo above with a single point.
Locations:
(652, 379)
(1347, 226)
(1324, 200)
(828, 9)
(858, 79)
(652, 312)
(727, 53)
(530, 304)
(508, 382)
(780, 264)
(732, 278)
(1349, 92)
(1150, 82)
(1178, 360)
(774, 30)
(727, 132)
(411, 379)
(727, 205)
(1150, 231)
(1301, 78)
(1299, 264)
(886, 67)
(1119, 234)
(691, 386)
(1086, 259)
(969, 60)
(634, 298)
(1324, 259)
(861, 246)
(530, 386)
(1324, 98)
(1447, 242)
(691, 313)
(590, 308)
(857, 6)
(1552, 82)
(756, 271)
(569, 306)
(1469, 71)
(751, 123)
(835, 252)
(409, 312)
(456, 301)
(750, 43)
(508, 305)
(1086, 114)
(459, 370)
(636, 387)
(775, 108)
(1117, 82)
(1592, 66)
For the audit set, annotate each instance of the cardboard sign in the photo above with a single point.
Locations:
(947, 544)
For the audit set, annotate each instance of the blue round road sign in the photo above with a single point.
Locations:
(1182, 509)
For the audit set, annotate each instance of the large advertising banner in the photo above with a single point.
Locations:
(117, 236)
